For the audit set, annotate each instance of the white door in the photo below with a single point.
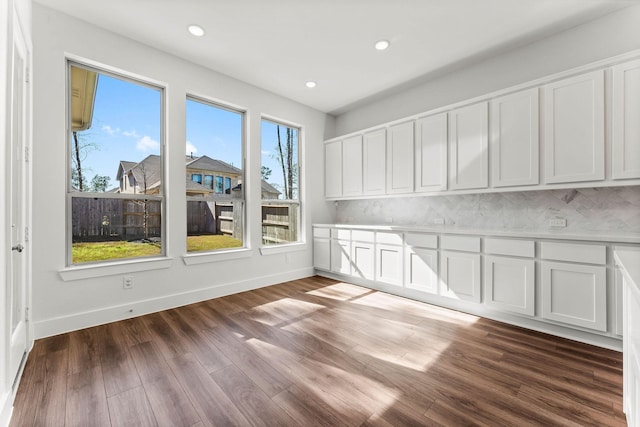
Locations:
(421, 269)
(17, 291)
(460, 275)
(626, 127)
(389, 264)
(362, 257)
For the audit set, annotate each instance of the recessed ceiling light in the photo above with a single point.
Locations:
(196, 30)
(382, 44)
(310, 84)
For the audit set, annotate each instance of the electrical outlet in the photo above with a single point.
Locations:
(127, 282)
(438, 221)
(557, 222)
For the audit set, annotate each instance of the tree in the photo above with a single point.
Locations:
(99, 183)
(265, 172)
(286, 160)
(81, 149)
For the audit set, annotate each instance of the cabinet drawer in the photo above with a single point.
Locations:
(509, 247)
(573, 252)
(460, 243)
(389, 238)
(362, 235)
(421, 240)
(321, 232)
(340, 233)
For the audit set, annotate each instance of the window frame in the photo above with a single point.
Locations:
(102, 69)
(300, 243)
(201, 257)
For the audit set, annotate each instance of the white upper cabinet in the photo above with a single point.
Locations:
(431, 153)
(468, 146)
(574, 129)
(400, 158)
(514, 139)
(626, 121)
(333, 169)
(352, 166)
(374, 152)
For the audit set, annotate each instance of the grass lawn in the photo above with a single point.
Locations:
(104, 251)
(211, 242)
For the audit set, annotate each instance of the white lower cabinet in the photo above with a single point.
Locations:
(322, 248)
(460, 275)
(575, 294)
(341, 256)
(421, 269)
(322, 253)
(509, 284)
(363, 260)
(389, 264)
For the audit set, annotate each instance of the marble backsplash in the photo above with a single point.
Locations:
(602, 210)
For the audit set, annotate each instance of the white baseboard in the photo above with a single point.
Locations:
(73, 322)
(6, 408)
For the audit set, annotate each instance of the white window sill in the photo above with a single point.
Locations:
(206, 257)
(280, 249)
(90, 271)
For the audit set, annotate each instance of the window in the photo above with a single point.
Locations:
(208, 181)
(215, 148)
(219, 187)
(279, 187)
(196, 177)
(115, 167)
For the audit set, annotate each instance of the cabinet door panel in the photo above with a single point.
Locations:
(400, 158)
(389, 264)
(322, 254)
(352, 166)
(514, 139)
(375, 162)
(468, 145)
(574, 129)
(510, 284)
(626, 126)
(341, 256)
(363, 258)
(431, 153)
(421, 269)
(333, 169)
(575, 294)
(460, 275)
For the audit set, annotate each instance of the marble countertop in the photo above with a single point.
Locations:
(629, 259)
(560, 234)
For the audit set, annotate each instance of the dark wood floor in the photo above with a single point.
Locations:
(316, 352)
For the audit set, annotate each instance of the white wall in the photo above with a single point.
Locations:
(60, 305)
(611, 35)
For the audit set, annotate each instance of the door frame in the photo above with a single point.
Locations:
(18, 36)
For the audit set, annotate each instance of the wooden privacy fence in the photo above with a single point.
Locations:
(215, 217)
(279, 222)
(98, 219)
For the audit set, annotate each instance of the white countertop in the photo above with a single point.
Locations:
(560, 234)
(629, 259)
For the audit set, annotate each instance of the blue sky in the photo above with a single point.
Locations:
(127, 125)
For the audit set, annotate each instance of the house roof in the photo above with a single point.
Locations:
(195, 186)
(148, 170)
(124, 167)
(268, 188)
(214, 165)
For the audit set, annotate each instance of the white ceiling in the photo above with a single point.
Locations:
(278, 45)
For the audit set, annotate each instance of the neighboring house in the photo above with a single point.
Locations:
(204, 177)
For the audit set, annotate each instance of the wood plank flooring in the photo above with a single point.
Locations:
(316, 352)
